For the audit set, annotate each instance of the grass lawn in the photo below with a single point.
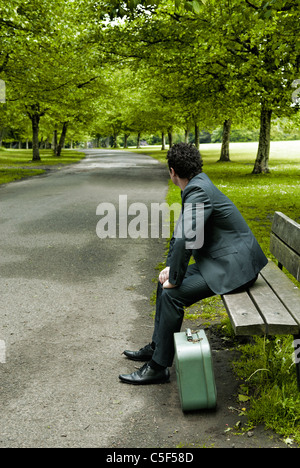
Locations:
(268, 378)
(256, 196)
(17, 164)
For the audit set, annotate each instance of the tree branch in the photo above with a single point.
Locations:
(252, 6)
(81, 85)
(287, 7)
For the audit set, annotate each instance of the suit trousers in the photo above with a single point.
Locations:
(169, 316)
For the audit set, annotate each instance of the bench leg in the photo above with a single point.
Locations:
(297, 357)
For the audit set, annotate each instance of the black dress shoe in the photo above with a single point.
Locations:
(144, 354)
(146, 376)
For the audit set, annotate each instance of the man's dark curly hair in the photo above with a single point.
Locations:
(185, 159)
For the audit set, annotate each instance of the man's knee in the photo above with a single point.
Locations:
(165, 293)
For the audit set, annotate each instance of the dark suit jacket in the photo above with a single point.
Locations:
(230, 256)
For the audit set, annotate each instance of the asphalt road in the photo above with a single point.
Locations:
(71, 303)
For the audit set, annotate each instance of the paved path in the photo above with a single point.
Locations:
(71, 303)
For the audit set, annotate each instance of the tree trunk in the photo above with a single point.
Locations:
(115, 140)
(126, 140)
(170, 136)
(47, 144)
(163, 141)
(62, 139)
(262, 159)
(34, 113)
(197, 137)
(55, 142)
(138, 144)
(225, 156)
(35, 119)
(186, 135)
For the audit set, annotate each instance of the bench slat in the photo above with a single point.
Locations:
(287, 230)
(287, 257)
(287, 292)
(244, 316)
(277, 317)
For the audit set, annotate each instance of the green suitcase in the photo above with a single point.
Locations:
(194, 370)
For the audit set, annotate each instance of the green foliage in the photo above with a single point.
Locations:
(235, 136)
(268, 371)
(166, 65)
(221, 60)
(50, 63)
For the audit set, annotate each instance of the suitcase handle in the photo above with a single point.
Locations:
(190, 337)
(189, 334)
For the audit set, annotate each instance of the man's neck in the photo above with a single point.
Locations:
(182, 183)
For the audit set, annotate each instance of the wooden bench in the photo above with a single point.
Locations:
(272, 305)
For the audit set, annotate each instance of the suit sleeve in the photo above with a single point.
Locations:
(170, 251)
(180, 246)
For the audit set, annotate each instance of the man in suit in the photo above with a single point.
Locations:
(229, 260)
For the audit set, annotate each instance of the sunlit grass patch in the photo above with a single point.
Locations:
(18, 164)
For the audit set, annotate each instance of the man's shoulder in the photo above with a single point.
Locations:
(200, 182)
(199, 190)
(200, 179)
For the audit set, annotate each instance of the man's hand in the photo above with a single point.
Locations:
(164, 275)
(168, 285)
(164, 279)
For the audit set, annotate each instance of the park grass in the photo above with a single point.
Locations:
(266, 370)
(17, 164)
(256, 196)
